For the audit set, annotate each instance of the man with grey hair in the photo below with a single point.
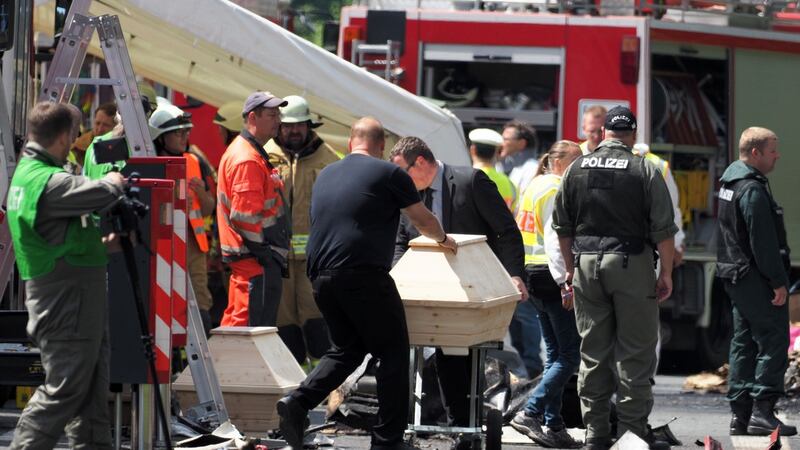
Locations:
(753, 262)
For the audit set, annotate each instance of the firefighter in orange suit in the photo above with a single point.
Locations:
(253, 228)
(170, 127)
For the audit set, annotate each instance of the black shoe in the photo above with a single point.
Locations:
(741, 410)
(654, 443)
(530, 426)
(763, 421)
(557, 439)
(293, 421)
(598, 444)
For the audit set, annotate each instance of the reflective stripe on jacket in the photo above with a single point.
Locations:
(248, 199)
(534, 212)
(196, 219)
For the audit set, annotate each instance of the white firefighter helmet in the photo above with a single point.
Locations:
(168, 118)
(296, 110)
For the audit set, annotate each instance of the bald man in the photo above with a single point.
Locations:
(355, 211)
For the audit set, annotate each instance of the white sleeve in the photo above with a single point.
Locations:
(555, 261)
(674, 194)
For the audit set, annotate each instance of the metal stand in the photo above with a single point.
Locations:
(477, 355)
(117, 420)
(147, 391)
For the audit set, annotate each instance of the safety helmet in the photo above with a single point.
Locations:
(641, 149)
(168, 118)
(148, 95)
(296, 110)
(229, 116)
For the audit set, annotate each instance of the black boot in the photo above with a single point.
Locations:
(293, 421)
(741, 410)
(763, 420)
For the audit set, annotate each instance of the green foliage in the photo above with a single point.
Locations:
(311, 15)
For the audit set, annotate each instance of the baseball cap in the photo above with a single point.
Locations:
(262, 98)
(485, 136)
(620, 118)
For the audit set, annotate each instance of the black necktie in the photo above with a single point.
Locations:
(427, 198)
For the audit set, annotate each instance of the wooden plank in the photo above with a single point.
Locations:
(461, 240)
(243, 331)
(250, 413)
(461, 304)
(458, 328)
(442, 340)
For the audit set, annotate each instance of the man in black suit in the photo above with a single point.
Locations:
(465, 201)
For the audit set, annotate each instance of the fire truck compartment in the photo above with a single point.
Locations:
(490, 85)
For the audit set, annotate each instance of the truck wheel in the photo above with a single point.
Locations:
(494, 429)
(713, 343)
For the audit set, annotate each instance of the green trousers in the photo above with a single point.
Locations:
(68, 322)
(760, 343)
(617, 316)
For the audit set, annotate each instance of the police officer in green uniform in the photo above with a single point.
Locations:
(612, 210)
(62, 258)
(753, 262)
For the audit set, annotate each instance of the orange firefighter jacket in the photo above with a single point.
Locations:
(250, 210)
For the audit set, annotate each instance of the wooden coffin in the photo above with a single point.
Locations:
(255, 369)
(454, 300)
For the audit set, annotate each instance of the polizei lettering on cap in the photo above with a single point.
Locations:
(597, 162)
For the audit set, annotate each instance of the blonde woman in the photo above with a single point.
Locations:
(552, 297)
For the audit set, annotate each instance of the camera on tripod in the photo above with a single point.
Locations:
(124, 217)
(125, 214)
(129, 209)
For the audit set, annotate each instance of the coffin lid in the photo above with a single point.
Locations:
(249, 359)
(430, 275)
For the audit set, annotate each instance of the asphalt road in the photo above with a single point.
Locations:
(698, 415)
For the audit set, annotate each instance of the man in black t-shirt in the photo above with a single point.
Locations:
(355, 211)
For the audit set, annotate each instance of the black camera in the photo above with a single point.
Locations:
(129, 209)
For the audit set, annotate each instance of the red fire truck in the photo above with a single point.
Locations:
(695, 77)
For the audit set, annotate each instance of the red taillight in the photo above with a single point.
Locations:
(629, 60)
(349, 34)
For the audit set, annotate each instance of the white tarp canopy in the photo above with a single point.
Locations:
(217, 52)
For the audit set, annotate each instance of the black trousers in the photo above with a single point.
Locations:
(364, 315)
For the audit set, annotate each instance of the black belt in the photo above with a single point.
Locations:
(353, 271)
(608, 244)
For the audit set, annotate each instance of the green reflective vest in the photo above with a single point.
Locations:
(82, 245)
(504, 185)
(93, 170)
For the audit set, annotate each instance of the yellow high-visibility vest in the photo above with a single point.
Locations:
(534, 212)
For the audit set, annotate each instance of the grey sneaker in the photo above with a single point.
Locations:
(558, 439)
(530, 426)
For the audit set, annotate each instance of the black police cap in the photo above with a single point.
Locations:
(620, 118)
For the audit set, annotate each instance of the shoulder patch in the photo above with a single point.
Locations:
(15, 196)
(725, 194)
